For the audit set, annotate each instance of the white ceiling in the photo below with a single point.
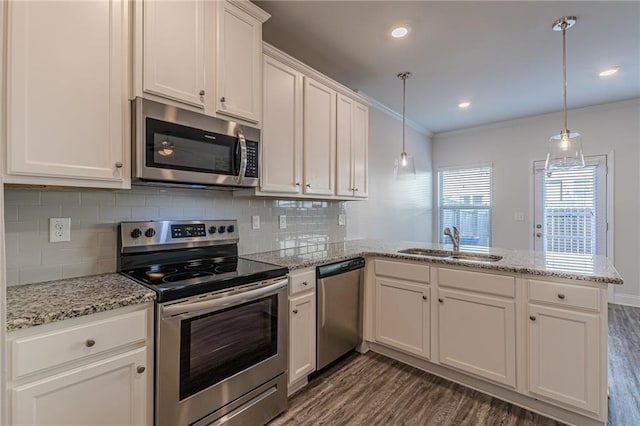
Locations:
(502, 56)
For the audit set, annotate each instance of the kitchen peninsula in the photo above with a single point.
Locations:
(524, 328)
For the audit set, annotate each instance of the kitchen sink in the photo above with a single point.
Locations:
(445, 254)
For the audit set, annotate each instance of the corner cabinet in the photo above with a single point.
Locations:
(67, 106)
(90, 370)
(352, 148)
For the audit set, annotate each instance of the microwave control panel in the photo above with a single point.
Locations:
(252, 159)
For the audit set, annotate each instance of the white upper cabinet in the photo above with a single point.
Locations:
(67, 104)
(281, 150)
(319, 138)
(174, 50)
(238, 59)
(351, 152)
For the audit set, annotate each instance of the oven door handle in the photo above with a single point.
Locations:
(189, 309)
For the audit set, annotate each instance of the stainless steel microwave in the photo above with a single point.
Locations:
(173, 146)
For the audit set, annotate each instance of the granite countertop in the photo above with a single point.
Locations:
(596, 269)
(34, 304)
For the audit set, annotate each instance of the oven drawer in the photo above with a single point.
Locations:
(35, 353)
(300, 282)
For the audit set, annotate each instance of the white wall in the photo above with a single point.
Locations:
(395, 210)
(512, 145)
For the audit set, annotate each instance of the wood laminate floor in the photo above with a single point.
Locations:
(372, 389)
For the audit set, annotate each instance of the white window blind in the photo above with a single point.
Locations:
(570, 210)
(464, 201)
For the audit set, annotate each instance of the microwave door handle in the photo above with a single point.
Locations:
(243, 156)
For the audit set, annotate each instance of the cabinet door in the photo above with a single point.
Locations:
(66, 90)
(238, 60)
(360, 150)
(302, 336)
(107, 392)
(319, 138)
(344, 146)
(173, 49)
(477, 335)
(281, 150)
(564, 361)
(402, 316)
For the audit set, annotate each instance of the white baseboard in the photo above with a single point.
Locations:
(626, 299)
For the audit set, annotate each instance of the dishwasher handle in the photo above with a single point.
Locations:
(340, 267)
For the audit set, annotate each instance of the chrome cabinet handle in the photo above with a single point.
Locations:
(202, 93)
(441, 300)
(297, 183)
(243, 156)
(140, 369)
(118, 165)
(89, 343)
(538, 234)
(532, 317)
(561, 296)
(424, 297)
(295, 311)
(222, 99)
(308, 185)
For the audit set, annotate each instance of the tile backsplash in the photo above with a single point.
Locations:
(95, 214)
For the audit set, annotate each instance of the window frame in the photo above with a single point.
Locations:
(489, 208)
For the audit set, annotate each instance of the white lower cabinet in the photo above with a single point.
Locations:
(564, 357)
(108, 392)
(477, 335)
(92, 370)
(302, 327)
(402, 315)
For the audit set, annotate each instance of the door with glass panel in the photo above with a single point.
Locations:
(570, 214)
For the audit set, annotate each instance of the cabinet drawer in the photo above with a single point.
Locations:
(302, 281)
(403, 270)
(34, 353)
(564, 295)
(499, 285)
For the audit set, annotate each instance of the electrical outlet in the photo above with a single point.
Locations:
(255, 222)
(59, 229)
(518, 216)
(282, 220)
(342, 220)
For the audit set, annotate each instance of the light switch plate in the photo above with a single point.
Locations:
(59, 229)
(342, 220)
(282, 221)
(255, 222)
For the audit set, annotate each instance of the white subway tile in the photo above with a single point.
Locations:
(55, 197)
(21, 197)
(157, 200)
(12, 276)
(56, 256)
(107, 266)
(19, 227)
(102, 198)
(84, 213)
(80, 269)
(145, 213)
(129, 200)
(168, 213)
(39, 214)
(39, 274)
(10, 213)
(116, 214)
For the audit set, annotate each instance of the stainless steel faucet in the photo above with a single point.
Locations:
(455, 237)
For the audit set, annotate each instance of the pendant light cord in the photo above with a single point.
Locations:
(404, 101)
(564, 74)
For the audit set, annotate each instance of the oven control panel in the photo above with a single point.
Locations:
(145, 236)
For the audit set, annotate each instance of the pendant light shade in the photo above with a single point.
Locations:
(565, 148)
(404, 167)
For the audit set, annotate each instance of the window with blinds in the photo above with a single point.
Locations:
(464, 201)
(570, 216)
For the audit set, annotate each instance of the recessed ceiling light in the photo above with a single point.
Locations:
(399, 32)
(464, 105)
(607, 72)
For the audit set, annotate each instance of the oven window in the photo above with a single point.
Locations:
(218, 345)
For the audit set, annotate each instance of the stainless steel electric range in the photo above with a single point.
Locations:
(221, 322)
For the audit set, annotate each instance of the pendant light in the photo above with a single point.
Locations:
(405, 167)
(565, 149)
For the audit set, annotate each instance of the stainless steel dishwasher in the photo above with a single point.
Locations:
(339, 313)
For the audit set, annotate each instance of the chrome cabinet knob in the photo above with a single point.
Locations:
(424, 297)
(308, 185)
(561, 296)
(297, 183)
(532, 317)
(141, 369)
(355, 189)
(89, 343)
(202, 92)
(118, 165)
(295, 311)
(305, 283)
(538, 226)
(441, 300)
(538, 234)
(222, 99)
